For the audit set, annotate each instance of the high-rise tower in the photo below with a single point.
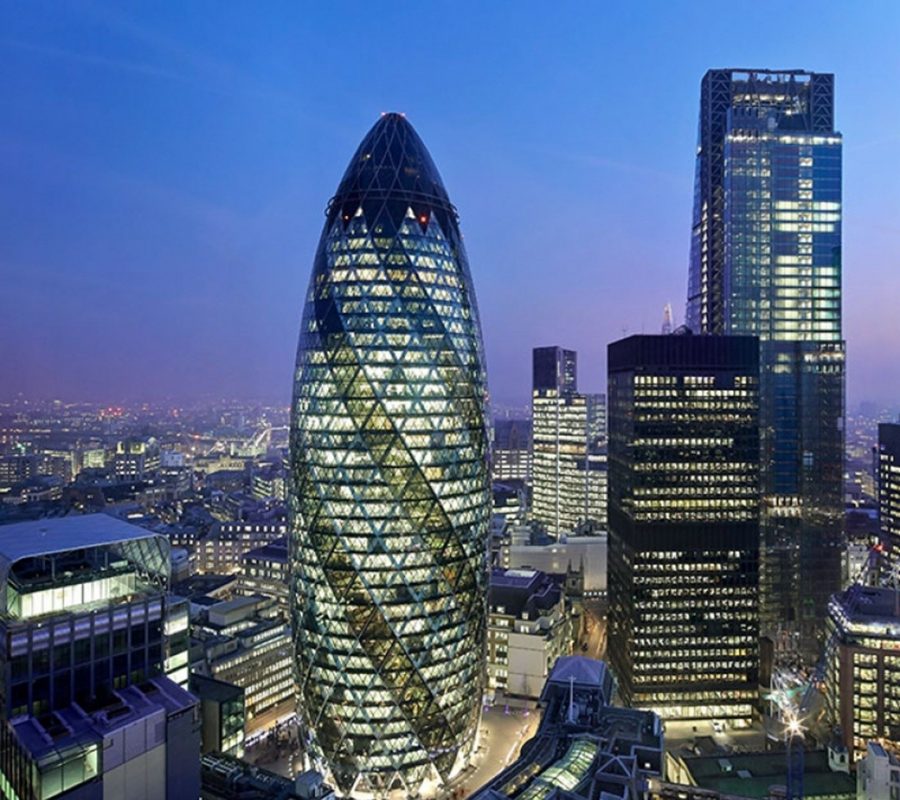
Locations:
(766, 261)
(684, 524)
(568, 446)
(390, 498)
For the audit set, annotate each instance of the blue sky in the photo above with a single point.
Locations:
(164, 168)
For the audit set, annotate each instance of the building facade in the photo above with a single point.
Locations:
(684, 524)
(511, 454)
(92, 644)
(568, 454)
(863, 674)
(390, 498)
(888, 475)
(528, 629)
(766, 261)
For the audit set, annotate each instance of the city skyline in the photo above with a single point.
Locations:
(195, 239)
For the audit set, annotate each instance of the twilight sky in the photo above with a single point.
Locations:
(164, 169)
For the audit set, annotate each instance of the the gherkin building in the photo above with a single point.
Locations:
(390, 497)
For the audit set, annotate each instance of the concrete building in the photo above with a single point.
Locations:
(585, 747)
(140, 742)
(863, 675)
(221, 551)
(878, 774)
(528, 630)
(585, 553)
(265, 572)
(245, 642)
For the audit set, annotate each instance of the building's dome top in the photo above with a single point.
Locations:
(393, 163)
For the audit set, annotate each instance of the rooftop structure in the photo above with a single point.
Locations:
(228, 778)
(139, 741)
(528, 629)
(584, 747)
(756, 776)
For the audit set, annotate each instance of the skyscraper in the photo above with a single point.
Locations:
(568, 445)
(390, 499)
(684, 523)
(888, 467)
(766, 261)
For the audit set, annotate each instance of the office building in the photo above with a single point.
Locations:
(390, 494)
(585, 748)
(222, 715)
(92, 646)
(136, 459)
(568, 455)
(529, 627)
(863, 673)
(684, 524)
(511, 454)
(245, 642)
(222, 550)
(265, 571)
(766, 262)
(887, 468)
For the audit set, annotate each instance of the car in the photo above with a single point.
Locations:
(718, 726)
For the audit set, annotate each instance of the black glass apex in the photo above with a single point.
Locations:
(391, 164)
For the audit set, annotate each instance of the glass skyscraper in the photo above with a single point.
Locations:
(390, 499)
(766, 261)
(568, 446)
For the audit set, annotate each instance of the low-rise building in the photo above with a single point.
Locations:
(528, 630)
(754, 776)
(221, 551)
(228, 778)
(863, 675)
(265, 572)
(245, 642)
(221, 714)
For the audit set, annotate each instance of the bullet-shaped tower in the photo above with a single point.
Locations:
(390, 494)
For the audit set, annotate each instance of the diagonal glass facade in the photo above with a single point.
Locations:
(390, 496)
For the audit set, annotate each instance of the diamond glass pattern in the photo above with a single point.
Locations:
(390, 497)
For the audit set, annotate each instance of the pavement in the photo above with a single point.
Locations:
(503, 732)
(593, 633)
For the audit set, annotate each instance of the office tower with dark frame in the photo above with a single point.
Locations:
(684, 506)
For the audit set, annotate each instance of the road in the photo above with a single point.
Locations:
(593, 630)
(502, 735)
